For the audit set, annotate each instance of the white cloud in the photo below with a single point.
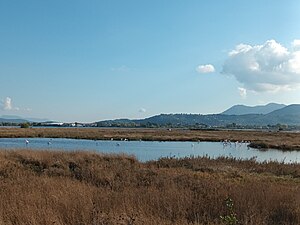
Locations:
(208, 68)
(7, 105)
(296, 43)
(142, 110)
(242, 92)
(267, 67)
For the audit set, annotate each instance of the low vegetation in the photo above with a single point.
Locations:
(259, 139)
(24, 125)
(52, 187)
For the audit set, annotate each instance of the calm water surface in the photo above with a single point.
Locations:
(151, 150)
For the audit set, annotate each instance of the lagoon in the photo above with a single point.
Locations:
(152, 150)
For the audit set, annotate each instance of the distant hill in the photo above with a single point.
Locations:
(260, 109)
(289, 115)
(201, 120)
(10, 118)
(37, 120)
(3, 120)
(289, 110)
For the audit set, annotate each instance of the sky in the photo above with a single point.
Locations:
(91, 60)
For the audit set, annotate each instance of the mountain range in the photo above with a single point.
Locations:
(270, 114)
(260, 109)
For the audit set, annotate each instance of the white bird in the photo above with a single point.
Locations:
(26, 142)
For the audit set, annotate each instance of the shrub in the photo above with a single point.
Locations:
(25, 125)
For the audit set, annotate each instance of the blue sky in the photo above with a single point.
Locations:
(92, 60)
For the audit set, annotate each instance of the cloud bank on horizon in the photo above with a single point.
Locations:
(269, 67)
(7, 105)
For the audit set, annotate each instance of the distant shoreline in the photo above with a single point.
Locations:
(285, 141)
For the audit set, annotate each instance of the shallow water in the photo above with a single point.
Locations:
(151, 150)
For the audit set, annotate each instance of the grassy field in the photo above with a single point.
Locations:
(81, 188)
(279, 140)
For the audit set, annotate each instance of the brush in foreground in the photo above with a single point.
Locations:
(51, 187)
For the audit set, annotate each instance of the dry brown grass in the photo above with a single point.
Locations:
(45, 187)
(280, 140)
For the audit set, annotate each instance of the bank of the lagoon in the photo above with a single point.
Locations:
(153, 150)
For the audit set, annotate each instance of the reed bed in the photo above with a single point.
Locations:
(78, 188)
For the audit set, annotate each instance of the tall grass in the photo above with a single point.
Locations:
(45, 187)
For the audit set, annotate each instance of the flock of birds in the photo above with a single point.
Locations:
(229, 143)
(225, 143)
(27, 142)
(235, 143)
(49, 142)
